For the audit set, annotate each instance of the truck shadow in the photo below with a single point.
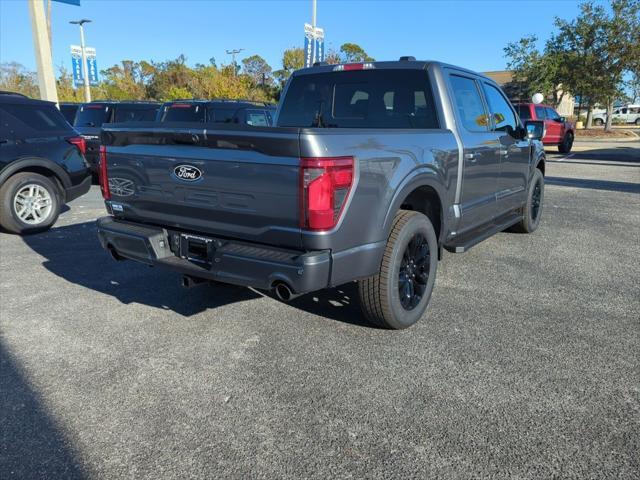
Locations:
(31, 445)
(74, 254)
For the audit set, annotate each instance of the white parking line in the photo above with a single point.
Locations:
(564, 158)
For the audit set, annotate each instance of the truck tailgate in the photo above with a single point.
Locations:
(230, 182)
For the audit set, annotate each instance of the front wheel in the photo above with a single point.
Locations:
(566, 144)
(398, 295)
(29, 203)
(638, 121)
(599, 122)
(532, 210)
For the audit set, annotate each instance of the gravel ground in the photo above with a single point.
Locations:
(525, 366)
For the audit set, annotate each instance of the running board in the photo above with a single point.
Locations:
(466, 241)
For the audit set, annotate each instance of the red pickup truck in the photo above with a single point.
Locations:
(557, 130)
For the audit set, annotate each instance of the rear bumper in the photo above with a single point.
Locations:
(76, 191)
(232, 262)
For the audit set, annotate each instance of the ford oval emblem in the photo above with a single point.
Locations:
(188, 173)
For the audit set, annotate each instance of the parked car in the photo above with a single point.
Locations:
(69, 110)
(558, 130)
(91, 117)
(42, 164)
(628, 114)
(371, 170)
(246, 112)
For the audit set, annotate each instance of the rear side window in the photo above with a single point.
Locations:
(524, 112)
(125, 114)
(540, 113)
(28, 120)
(503, 118)
(360, 99)
(92, 115)
(182, 112)
(469, 104)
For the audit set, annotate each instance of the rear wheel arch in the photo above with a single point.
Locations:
(41, 166)
(424, 195)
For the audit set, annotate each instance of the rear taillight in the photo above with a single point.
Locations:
(79, 142)
(102, 173)
(324, 188)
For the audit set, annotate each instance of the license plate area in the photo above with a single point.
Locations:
(197, 249)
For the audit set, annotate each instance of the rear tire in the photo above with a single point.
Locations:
(566, 144)
(598, 122)
(532, 210)
(398, 295)
(638, 122)
(29, 203)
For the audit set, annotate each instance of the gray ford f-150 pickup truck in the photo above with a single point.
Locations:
(371, 170)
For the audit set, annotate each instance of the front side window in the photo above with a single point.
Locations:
(469, 104)
(257, 118)
(552, 114)
(503, 118)
(383, 98)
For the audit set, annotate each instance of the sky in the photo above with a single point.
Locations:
(469, 33)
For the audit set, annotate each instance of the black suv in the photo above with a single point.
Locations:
(42, 163)
(91, 116)
(259, 114)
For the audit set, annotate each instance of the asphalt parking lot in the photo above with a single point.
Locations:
(525, 366)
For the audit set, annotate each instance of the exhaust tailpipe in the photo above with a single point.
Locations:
(284, 293)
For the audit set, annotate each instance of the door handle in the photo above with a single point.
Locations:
(472, 157)
(3, 140)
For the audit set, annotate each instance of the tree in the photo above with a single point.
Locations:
(14, 77)
(257, 69)
(354, 53)
(292, 59)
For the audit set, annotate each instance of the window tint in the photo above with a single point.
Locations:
(624, 110)
(360, 99)
(221, 115)
(540, 113)
(92, 115)
(129, 114)
(31, 119)
(182, 112)
(524, 111)
(503, 118)
(552, 114)
(469, 104)
(257, 118)
(69, 112)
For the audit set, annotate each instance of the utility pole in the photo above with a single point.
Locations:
(233, 54)
(85, 69)
(42, 47)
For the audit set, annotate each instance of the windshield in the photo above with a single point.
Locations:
(182, 112)
(92, 115)
(360, 99)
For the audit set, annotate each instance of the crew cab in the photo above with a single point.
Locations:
(557, 129)
(626, 114)
(371, 171)
(90, 117)
(247, 112)
(42, 164)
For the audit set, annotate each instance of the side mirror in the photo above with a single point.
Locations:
(535, 129)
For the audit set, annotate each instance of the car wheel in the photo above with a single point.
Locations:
(638, 121)
(398, 295)
(566, 144)
(532, 210)
(29, 203)
(599, 122)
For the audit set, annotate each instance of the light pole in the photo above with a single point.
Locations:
(85, 70)
(233, 54)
